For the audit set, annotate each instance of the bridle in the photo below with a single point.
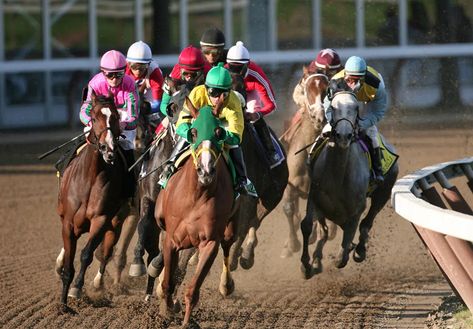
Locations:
(200, 150)
(354, 125)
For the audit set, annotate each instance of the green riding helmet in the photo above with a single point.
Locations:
(219, 77)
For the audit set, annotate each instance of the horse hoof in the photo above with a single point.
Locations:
(153, 271)
(97, 283)
(227, 289)
(295, 246)
(137, 270)
(247, 263)
(147, 298)
(360, 254)
(306, 272)
(74, 292)
(317, 266)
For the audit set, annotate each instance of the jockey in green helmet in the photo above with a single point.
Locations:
(217, 88)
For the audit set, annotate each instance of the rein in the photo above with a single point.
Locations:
(195, 155)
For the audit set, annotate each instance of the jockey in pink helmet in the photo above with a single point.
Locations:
(112, 79)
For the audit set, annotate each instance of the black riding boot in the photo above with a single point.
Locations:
(169, 169)
(243, 185)
(377, 167)
(67, 156)
(264, 134)
(131, 176)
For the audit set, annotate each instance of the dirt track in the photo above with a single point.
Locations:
(396, 287)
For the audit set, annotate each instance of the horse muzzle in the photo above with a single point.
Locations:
(206, 176)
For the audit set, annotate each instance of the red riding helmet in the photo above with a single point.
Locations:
(327, 59)
(191, 59)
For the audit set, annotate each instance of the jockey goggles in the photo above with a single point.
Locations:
(191, 74)
(139, 66)
(111, 75)
(237, 68)
(211, 51)
(216, 92)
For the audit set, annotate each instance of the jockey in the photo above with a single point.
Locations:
(112, 78)
(260, 96)
(212, 44)
(327, 62)
(218, 84)
(189, 72)
(368, 86)
(147, 76)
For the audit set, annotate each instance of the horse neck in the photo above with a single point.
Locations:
(308, 128)
(337, 162)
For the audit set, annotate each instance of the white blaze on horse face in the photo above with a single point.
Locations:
(108, 137)
(206, 156)
(313, 95)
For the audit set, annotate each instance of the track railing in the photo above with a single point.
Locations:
(443, 218)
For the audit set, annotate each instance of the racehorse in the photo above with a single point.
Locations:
(92, 197)
(297, 138)
(340, 178)
(269, 183)
(195, 209)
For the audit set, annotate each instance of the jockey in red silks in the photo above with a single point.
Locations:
(147, 76)
(328, 63)
(260, 96)
(113, 79)
(190, 71)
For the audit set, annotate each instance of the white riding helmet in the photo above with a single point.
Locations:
(139, 52)
(238, 54)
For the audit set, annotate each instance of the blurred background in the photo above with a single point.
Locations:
(49, 49)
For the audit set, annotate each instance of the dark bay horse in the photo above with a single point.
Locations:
(270, 185)
(299, 135)
(340, 178)
(92, 197)
(195, 210)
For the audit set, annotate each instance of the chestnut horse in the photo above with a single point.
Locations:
(194, 210)
(340, 178)
(92, 198)
(298, 136)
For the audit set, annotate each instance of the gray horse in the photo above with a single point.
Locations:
(340, 178)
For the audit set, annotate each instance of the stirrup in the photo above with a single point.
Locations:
(166, 174)
(247, 188)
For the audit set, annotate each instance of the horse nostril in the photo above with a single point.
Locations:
(349, 136)
(103, 147)
(212, 171)
(199, 171)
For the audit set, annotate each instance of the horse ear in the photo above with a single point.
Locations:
(305, 70)
(191, 108)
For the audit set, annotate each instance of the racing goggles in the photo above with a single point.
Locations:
(211, 51)
(190, 74)
(139, 66)
(111, 75)
(237, 68)
(216, 92)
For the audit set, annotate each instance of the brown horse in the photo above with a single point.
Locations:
(297, 137)
(92, 198)
(194, 210)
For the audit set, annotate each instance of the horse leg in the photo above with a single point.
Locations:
(227, 285)
(290, 208)
(349, 229)
(109, 240)
(306, 229)
(170, 255)
(247, 258)
(86, 256)
(378, 200)
(145, 230)
(207, 253)
(321, 236)
(67, 271)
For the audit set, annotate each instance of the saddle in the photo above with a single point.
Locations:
(389, 158)
(262, 149)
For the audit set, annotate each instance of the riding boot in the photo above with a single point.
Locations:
(264, 134)
(169, 169)
(131, 176)
(67, 156)
(377, 166)
(243, 184)
(317, 143)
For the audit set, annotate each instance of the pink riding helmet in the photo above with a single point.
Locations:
(113, 61)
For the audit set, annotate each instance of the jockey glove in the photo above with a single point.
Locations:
(155, 106)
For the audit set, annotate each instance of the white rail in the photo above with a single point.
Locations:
(407, 203)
